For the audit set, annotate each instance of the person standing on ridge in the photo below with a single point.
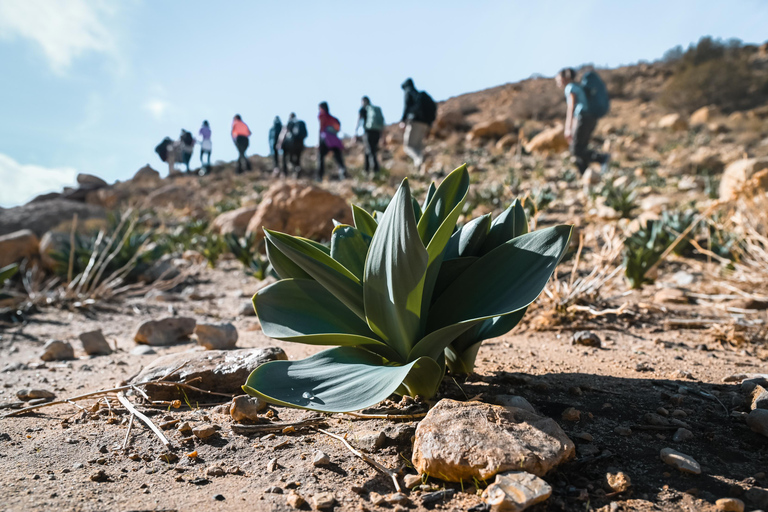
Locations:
(186, 147)
(587, 102)
(419, 113)
(291, 142)
(329, 141)
(240, 134)
(205, 147)
(274, 134)
(372, 121)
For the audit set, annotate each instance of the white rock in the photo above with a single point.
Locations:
(516, 491)
(320, 459)
(680, 461)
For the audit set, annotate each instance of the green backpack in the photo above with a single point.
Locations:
(374, 119)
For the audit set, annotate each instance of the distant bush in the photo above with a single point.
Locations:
(713, 72)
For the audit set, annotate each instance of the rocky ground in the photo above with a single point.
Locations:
(605, 397)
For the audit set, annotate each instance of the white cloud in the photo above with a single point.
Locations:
(63, 29)
(157, 108)
(22, 182)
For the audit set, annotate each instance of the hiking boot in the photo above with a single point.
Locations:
(342, 174)
(605, 165)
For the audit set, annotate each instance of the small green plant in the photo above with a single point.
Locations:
(377, 294)
(675, 223)
(5, 274)
(212, 246)
(539, 199)
(621, 199)
(249, 253)
(642, 249)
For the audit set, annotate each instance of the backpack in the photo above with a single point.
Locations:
(187, 138)
(162, 149)
(374, 119)
(598, 103)
(294, 136)
(426, 108)
(299, 130)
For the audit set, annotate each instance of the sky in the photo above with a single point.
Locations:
(93, 86)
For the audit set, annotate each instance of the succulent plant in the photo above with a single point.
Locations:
(395, 296)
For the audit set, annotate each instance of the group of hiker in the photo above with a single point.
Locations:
(587, 101)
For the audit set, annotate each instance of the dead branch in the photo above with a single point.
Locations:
(277, 427)
(128, 405)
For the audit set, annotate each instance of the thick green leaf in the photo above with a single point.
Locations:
(8, 272)
(462, 363)
(350, 247)
(424, 378)
(500, 325)
(468, 240)
(503, 281)
(449, 271)
(438, 221)
(433, 344)
(416, 209)
(393, 284)
(430, 194)
(364, 221)
(302, 311)
(334, 277)
(511, 223)
(326, 249)
(341, 379)
(283, 265)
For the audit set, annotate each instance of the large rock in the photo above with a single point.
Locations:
(216, 336)
(449, 118)
(464, 440)
(674, 122)
(90, 182)
(146, 175)
(222, 371)
(235, 221)
(94, 343)
(40, 217)
(18, 245)
(551, 140)
(299, 208)
(494, 129)
(167, 331)
(738, 173)
(516, 491)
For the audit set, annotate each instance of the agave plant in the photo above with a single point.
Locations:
(642, 249)
(394, 294)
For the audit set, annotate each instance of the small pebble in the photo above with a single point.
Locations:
(219, 497)
(100, 476)
(294, 499)
(397, 498)
(623, 431)
(682, 435)
(587, 339)
(272, 465)
(320, 459)
(412, 481)
(323, 501)
(376, 498)
(274, 490)
(571, 414)
(204, 431)
(730, 505)
(584, 436)
(618, 482)
(680, 461)
(214, 471)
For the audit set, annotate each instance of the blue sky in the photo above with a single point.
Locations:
(93, 86)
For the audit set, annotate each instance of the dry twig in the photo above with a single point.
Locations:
(128, 405)
(277, 427)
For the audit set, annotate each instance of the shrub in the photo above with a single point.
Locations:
(621, 199)
(642, 249)
(396, 296)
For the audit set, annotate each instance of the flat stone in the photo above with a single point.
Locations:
(514, 401)
(33, 394)
(571, 414)
(441, 496)
(680, 461)
(464, 440)
(166, 331)
(376, 498)
(217, 471)
(204, 431)
(757, 420)
(57, 350)
(730, 505)
(143, 350)
(618, 482)
(682, 435)
(223, 371)
(587, 339)
(216, 336)
(397, 498)
(94, 343)
(246, 408)
(412, 481)
(320, 459)
(323, 501)
(368, 440)
(759, 398)
(670, 296)
(516, 491)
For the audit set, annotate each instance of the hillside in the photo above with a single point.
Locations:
(651, 335)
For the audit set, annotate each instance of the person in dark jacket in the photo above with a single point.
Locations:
(291, 142)
(274, 135)
(415, 127)
(329, 141)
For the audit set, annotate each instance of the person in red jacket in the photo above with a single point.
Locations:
(329, 142)
(240, 134)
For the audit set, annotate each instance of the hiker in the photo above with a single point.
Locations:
(166, 150)
(205, 147)
(291, 141)
(587, 102)
(329, 141)
(240, 134)
(186, 147)
(274, 134)
(372, 121)
(418, 115)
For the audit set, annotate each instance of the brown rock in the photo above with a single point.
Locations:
(246, 408)
(730, 505)
(491, 129)
(40, 217)
(295, 500)
(516, 491)
(701, 116)
(223, 371)
(460, 440)
(174, 196)
(18, 245)
(507, 142)
(26, 394)
(234, 221)
(551, 140)
(216, 336)
(618, 482)
(299, 208)
(167, 331)
(571, 414)
(57, 350)
(737, 174)
(204, 432)
(448, 118)
(94, 343)
(90, 181)
(146, 175)
(323, 501)
(674, 122)
(670, 295)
